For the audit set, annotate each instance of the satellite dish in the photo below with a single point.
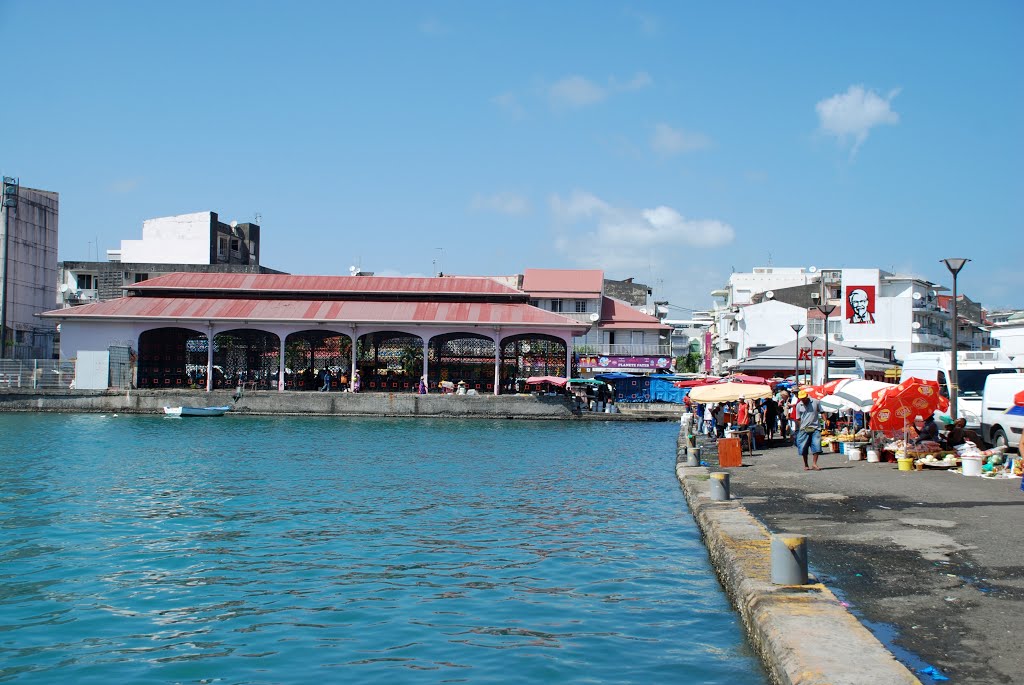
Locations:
(234, 224)
(916, 324)
(917, 296)
(595, 316)
(812, 269)
(770, 295)
(739, 316)
(353, 269)
(63, 287)
(643, 310)
(932, 293)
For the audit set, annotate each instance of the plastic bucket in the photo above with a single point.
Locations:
(853, 454)
(907, 463)
(971, 465)
(872, 456)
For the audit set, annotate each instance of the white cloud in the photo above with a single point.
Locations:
(640, 80)
(852, 115)
(576, 91)
(591, 231)
(503, 203)
(673, 141)
(510, 103)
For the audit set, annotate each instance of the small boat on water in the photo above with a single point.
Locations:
(197, 411)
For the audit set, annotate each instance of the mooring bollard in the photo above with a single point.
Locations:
(789, 559)
(719, 486)
(693, 456)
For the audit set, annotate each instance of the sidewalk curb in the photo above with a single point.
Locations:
(803, 634)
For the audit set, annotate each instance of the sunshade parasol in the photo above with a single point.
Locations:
(853, 393)
(729, 392)
(896, 406)
(553, 380)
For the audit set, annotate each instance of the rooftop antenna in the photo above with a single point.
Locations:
(440, 261)
(257, 219)
(769, 259)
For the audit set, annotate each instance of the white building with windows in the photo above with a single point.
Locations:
(881, 313)
(190, 243)
(621, 337)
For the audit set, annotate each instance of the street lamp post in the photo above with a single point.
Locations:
(9, 202)
(827, 310)
(954, 265)
(811, 339)
(797, 327)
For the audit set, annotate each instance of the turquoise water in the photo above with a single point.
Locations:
(142, 549)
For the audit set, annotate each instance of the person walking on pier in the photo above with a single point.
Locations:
(808, 428)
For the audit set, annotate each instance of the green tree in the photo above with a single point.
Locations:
(688, 363)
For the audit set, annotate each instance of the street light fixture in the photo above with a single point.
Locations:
(810, 359)
(797, 327)
(954, 265)
(827, 310)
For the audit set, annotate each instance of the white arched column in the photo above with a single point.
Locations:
(425, 337)
(209, 356)
(497, 360)
(281, 366)
(354, 335)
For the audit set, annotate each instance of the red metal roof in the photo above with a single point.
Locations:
(618, 314)
(475, 285)
(333, 311)
(563, 282)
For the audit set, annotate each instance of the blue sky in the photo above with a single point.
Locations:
(672, 142)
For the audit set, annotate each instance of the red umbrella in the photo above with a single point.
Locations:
(819, 391)
(896, 407)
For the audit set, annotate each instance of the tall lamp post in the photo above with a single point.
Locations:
(827, 310)
(10, 201)
(797, 327)
(954, 265)
(811, 339)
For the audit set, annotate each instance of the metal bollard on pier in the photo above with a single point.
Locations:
(719, 486)
(789, 559)
(693, 456)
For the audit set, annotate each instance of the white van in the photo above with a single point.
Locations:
(1001, 420)
(972, 369)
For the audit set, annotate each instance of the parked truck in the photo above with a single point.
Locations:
(1002, 420)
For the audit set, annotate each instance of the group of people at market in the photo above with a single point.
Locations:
(800, 415)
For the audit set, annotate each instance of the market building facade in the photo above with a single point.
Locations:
(279, 332)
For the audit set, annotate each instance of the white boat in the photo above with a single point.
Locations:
(197, 411)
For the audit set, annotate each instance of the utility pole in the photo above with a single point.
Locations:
(10, 201)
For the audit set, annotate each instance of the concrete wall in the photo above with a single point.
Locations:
(182, 239)
(303, 403)
(32, 269)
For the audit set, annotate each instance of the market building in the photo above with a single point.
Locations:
(268, 331)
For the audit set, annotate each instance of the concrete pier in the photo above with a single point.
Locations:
(803, 634)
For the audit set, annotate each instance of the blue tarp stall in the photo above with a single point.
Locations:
(663, 390)
(628, 388)
(656, 388)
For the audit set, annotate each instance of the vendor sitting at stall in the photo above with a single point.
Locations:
(955, 436)
(927, 429)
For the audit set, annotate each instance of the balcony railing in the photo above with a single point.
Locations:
(625, 350)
